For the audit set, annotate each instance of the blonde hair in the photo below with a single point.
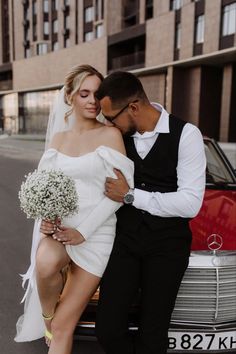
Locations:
(73, 82)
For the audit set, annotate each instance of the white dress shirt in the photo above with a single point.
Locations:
(187, 200)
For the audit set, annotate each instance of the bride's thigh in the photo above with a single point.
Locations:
(51, 256)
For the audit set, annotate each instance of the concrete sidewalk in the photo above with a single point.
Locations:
(27, 146)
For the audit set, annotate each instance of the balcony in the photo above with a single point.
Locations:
(128, 61)
(130, 16)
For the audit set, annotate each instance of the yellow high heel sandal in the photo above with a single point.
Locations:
(47, 334)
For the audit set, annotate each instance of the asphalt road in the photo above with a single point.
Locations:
(15, 243)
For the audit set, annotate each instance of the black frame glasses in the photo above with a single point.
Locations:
(111, 119)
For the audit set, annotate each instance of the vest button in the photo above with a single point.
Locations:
(143, 212)
(143, 184)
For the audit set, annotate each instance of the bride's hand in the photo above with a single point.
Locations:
(48, 227)
(68, 236)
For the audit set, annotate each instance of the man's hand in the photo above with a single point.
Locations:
(68, 236)
(115, 189)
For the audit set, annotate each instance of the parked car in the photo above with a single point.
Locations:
(204, 317)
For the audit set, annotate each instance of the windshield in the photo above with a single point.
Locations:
(216, 171)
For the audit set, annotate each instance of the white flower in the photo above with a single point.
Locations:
(48, 195)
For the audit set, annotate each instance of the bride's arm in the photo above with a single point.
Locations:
(112, 160)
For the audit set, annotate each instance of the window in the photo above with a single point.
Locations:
(99, 9)
(67, 22)
(67, 42)
(175, 4)
(27, 14)
(229, 19)
(177, 35)
(88, 36)
(42, 48)
(199, 29)
(99, 30)
(46, 28)
(34, 31)
(55, 46)
(149, 9)
(89, 14)
(34, 7)
(27, 53)
(54, 5)
(45, 6)
(55, 26)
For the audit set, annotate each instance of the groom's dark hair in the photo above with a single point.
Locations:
(122, 87)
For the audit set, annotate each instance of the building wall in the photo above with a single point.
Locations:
(114, 18)
(160, 7)
(50, 69)
(0, 35)
(160, 39)
(155, 87)
(212, 26)
(187, 31)
(19, 35)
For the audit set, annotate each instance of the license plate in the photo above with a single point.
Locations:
(183, 341)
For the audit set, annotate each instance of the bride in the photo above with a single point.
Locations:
(88, 151)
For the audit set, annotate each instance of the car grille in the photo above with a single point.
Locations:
(208, 290)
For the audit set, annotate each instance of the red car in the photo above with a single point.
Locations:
(204, 317)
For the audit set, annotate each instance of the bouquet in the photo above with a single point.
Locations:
(48, 195)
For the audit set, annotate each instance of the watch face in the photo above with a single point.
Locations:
(129, 198)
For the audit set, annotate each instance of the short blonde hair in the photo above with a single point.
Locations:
(74, 80)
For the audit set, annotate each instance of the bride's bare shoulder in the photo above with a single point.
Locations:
(112, 137)
(58, 139)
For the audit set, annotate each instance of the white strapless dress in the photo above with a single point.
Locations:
(96, 220)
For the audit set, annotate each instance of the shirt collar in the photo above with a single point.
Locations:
(162, 125)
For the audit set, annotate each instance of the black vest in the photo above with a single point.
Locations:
(155, 173)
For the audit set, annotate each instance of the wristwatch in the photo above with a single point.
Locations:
(129, 196)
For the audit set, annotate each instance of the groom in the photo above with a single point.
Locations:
(153, 239)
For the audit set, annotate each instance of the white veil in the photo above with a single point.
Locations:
(56, 120)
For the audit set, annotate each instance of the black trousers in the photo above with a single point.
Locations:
(153, 264)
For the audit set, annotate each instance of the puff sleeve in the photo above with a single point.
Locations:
(111, 159)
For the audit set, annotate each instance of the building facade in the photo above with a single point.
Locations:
(184, 52)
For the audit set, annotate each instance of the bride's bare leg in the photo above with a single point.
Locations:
(79, 288)
(50, 259)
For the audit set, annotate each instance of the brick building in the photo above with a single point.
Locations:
(184, 52)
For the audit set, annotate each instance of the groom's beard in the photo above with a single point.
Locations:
(131, 130)
(129, 133)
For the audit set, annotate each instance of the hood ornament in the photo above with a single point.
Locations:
(214, 242)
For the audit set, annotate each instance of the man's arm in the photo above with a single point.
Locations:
(187, 200)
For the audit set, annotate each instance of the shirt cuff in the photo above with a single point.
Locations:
(141, 199)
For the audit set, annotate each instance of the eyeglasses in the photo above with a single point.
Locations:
(111, 119)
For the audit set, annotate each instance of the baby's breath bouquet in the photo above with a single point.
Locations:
(48, 195)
